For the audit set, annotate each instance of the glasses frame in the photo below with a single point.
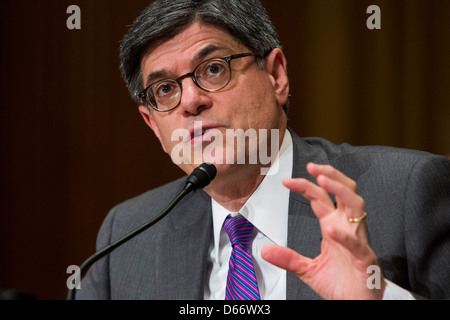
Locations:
(143, 94)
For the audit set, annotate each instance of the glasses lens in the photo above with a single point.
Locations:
(213, 74)
(164, 95)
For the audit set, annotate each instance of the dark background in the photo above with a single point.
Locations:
(73, 144)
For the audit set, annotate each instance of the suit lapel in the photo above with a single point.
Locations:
(304, 235)
(184, 250)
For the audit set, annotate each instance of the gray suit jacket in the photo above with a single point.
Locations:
(407, 196)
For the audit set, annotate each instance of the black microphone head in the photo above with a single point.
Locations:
(201, 176)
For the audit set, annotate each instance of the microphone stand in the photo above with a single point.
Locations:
(101, 253)
(199, 178)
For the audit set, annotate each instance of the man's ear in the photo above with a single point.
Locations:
(148, 118)
(276, 66)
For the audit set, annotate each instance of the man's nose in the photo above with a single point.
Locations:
(194, 100)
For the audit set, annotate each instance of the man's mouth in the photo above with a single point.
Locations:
(205, 130)
(200, 133)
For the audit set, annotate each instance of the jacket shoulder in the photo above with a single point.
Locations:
(134, 212)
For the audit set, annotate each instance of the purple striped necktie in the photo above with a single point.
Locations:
(241, 280)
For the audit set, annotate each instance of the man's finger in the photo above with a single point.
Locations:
(358, 247)
(286, 259)
(344, 195)
(329, 171)
(310, 191)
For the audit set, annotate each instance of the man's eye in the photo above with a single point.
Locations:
(214, 69)
(164, 89)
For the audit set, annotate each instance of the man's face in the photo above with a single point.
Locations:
(252, 99)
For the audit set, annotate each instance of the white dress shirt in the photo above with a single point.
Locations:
(267, 209)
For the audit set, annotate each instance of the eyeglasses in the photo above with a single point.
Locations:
(210, 75)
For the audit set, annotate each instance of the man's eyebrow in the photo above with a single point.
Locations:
(208, 50)
(155, 75)
(199, 56)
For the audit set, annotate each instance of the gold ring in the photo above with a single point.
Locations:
(359, 219)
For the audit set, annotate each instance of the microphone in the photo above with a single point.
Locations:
(198, 179)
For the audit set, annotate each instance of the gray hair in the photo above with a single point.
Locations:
(245, 20)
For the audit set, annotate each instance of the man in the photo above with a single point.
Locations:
(345, 222)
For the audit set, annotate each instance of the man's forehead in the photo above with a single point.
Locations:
(192, 44)
(196, 35)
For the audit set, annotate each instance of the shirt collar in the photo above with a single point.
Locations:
(267, 208)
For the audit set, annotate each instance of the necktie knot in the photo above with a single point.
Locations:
(239, 230)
